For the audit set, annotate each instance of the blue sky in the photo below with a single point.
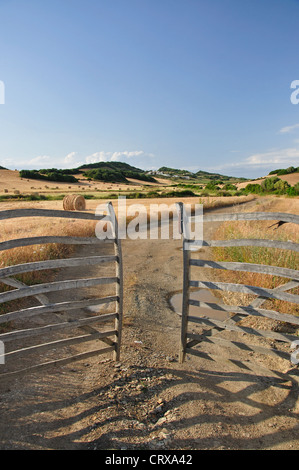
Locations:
(195, 84)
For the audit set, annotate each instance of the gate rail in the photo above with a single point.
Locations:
(38, 291)
(189, 340)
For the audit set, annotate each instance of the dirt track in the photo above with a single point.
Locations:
(149, 400)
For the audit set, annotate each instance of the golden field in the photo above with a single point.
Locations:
(11, 183)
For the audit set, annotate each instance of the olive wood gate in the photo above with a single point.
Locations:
(212, 327)
(86, 325)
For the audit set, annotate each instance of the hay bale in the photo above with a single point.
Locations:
(74, 202)
(79, 203)
(67, 203)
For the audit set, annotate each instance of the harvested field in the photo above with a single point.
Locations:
(10, 181)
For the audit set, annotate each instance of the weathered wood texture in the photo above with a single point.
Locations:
(279, 216)
(54, 286)
(119, 284)
(57, 307)
(15, 355)
(54, 264)
(19, 213)
(20, 242)
(260, 291)
(213, 327)
(247, 267)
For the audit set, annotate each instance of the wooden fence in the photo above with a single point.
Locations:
(213, 327)
(9, 365)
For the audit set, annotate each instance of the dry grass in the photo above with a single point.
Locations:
(259, 255)
(23, 228)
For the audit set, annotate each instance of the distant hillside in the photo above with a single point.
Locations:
(121, 172)
(114, 172)
(2, 168)
(121, 166)
(166, 171)
(218, 176)
(200, 176)
(285, 171)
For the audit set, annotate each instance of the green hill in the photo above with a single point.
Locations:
(120, 166)
(114, 172)
(218, 176)
(285, 171)
(120, 172)
(200, 176)
(175, 172)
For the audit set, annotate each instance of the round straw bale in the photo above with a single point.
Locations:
(73, 202)
(79, 203)
(67, 203)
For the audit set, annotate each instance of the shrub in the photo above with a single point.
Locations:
(49, 175)
(268, 183)
(253, 188)
(230, 187)
(212, 186)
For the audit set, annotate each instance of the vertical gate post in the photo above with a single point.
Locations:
(119, 284)
(183, 220)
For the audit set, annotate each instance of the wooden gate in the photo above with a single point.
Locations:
(213, 327)
(15, 355)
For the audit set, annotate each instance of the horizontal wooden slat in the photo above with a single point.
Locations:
(247, 267)
(247, 310)
(54, 308)
(282, 288)
(58, 362)
(246, 289)
(233, 326)
(54, 287)
(67, 325)
(264, 243)
(20, 242)
(12, 282)
(53, 264)
(37, 348)
(279, 216)
(16, 213)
